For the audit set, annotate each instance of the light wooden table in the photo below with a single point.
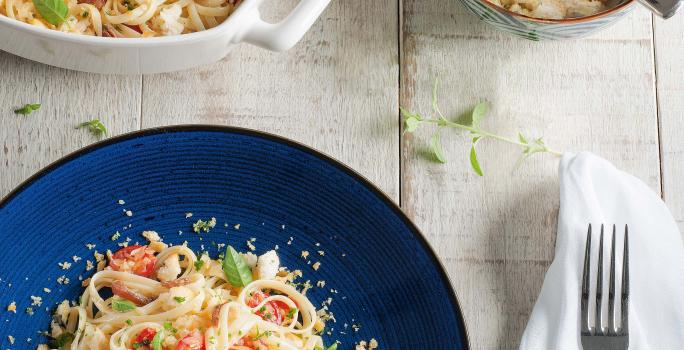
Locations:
(618, 94)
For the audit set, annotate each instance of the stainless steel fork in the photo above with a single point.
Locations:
(599, 336)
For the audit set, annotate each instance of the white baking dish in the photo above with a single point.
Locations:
(158, 54)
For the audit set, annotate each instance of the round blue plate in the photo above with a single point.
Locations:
(384, 280)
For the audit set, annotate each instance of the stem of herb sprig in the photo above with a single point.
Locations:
(444, 122)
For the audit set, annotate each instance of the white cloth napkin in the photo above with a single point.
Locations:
(593, 191)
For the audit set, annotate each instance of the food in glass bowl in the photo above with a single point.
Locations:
(555, 9)
(121, 18)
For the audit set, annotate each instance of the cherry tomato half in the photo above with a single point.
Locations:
(144, 339)
(194, 341)
(135, 259)
(272, 311)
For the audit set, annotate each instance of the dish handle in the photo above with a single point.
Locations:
(285, 34)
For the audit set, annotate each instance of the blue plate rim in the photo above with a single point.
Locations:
(418, 234)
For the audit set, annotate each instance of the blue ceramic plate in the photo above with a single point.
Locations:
(387, 279)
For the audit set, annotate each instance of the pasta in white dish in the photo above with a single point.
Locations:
(121, 18)
(163, 298)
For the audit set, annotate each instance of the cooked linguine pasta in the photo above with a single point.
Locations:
(124, 18)
(163, 298)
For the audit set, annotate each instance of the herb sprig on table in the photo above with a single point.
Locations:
(27, 109)
(412, 121)
(95, 126)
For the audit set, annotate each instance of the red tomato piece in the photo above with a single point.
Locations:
(250, 343)
(194, 341)
(144, 339)
(272, 311)
(135, 259)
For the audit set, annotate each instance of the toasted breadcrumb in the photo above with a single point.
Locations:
(373, 344)
(11, 339)
(65, 265)
(12, 307)
(151, 236)
(316, 265)
(305, 254)
(36, 301)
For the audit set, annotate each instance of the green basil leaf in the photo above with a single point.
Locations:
(411, 124)
(157, 340)
(53, 11)
(62, 340)
(437, 148)
(199, 264)
(479, 113)
(236, 269)
(473, 160)
(122, 305)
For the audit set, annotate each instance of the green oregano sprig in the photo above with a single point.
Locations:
(414, 120)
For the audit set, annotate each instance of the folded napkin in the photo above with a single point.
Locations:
(593, 191)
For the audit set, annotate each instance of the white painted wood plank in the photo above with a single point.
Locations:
(335, 91)
(496, 234)
(669, 57)
(68, 98)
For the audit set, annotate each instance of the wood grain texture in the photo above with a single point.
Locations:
(670, 72)
(336, 91)
(496, 234)
(68, 98)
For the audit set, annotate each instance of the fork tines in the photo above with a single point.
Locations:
(599, 329)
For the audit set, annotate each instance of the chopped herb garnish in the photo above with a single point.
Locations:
(62, 341)
(261, 335)
(179, 300)
(129, 322)
(291, 313)
(199, 264)
(121, 305)
(169, 328)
